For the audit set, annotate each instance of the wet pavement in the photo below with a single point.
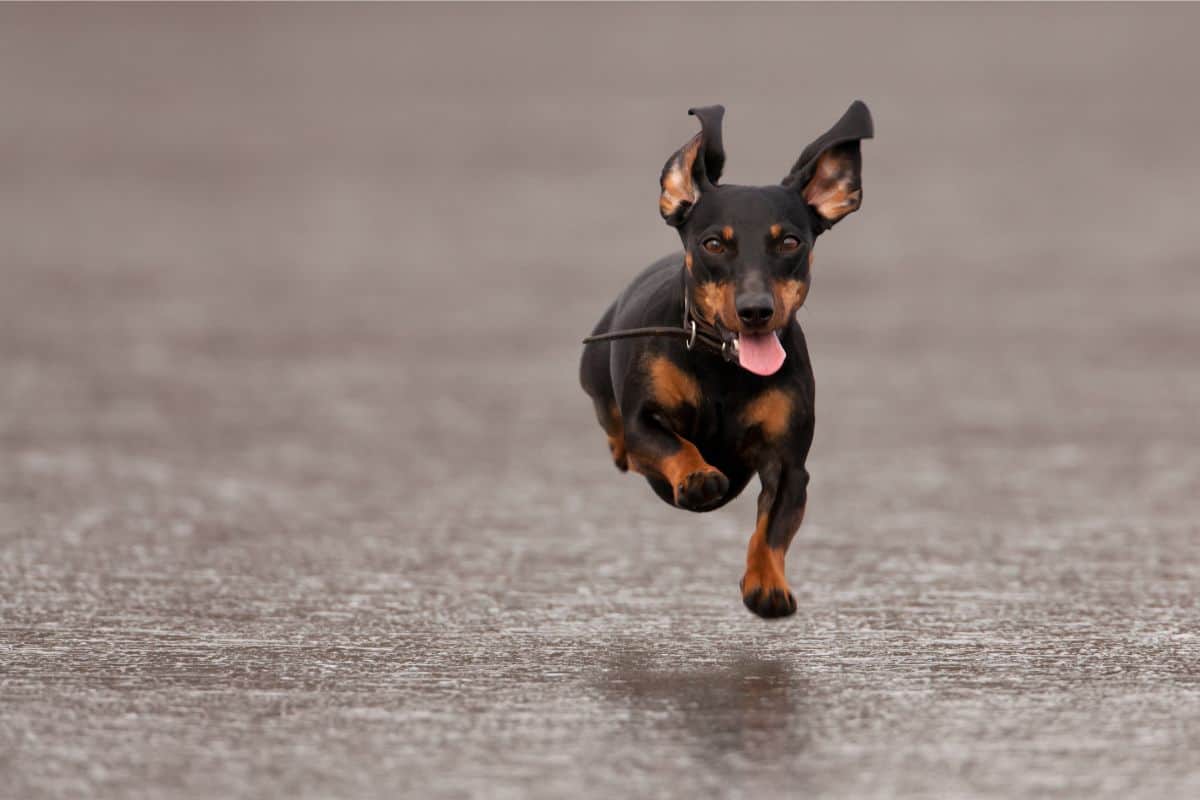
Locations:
(299, 495)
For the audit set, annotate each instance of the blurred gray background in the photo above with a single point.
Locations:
(299, 495)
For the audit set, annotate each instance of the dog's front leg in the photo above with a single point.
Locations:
(661, 454)
(780, 511)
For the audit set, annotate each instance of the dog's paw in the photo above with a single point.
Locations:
(616, 447)
(701, 489)
(768, 596)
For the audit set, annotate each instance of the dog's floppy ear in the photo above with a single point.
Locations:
(829, 171)
(694, 169)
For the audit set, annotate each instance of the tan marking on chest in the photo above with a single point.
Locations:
(772, 411)
(670, 385)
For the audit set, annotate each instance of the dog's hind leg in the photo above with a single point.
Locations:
(609, 417)
(596, 379)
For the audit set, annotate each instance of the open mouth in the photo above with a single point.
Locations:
(760, 353)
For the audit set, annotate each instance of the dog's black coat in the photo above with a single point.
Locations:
(697, 426)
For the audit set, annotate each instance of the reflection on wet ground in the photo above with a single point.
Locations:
(744, 706)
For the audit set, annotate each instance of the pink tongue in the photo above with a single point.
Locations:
(761, 353)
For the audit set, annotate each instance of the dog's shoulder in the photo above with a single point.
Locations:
(654, 297)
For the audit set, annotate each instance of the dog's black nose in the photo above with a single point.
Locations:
(755, 310)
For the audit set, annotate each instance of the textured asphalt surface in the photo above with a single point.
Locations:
(299, 495)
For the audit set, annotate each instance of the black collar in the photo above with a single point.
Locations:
(697, 332)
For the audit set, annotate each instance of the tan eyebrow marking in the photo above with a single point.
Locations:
(776, 230)
(727, 232)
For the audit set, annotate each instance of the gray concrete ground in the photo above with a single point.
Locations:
(299, 496)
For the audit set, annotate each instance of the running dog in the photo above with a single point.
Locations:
(699, 371)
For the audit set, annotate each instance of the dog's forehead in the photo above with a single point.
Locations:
(756, 206)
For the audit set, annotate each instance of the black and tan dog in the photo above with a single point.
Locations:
(699, 371)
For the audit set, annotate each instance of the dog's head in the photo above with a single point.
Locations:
(748, 249)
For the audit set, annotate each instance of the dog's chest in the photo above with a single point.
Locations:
(747, 426)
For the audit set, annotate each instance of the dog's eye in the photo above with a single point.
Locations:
(789, 244)
(713, 245)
